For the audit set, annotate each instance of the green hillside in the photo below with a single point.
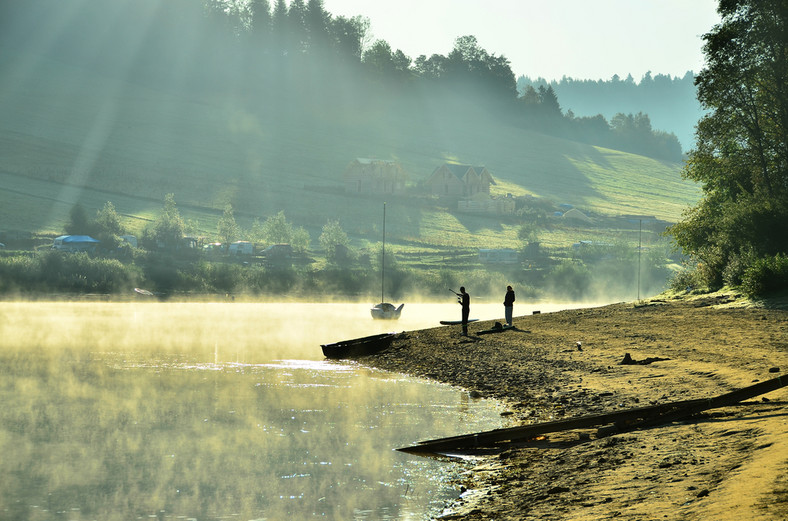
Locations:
(69, 135)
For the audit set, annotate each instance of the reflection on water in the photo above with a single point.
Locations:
(214, 411)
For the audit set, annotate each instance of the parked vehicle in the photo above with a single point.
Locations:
(241, 248)
(278, 251)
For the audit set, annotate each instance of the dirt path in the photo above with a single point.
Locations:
(726, 464)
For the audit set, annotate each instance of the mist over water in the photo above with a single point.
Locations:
(218, 410)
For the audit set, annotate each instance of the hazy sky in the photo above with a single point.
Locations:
(583, 39)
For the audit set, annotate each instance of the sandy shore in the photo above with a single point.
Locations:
(728, 463)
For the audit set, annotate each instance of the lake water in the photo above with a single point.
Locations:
(148, 410)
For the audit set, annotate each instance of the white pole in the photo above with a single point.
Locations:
(640, 242)
(383, 255)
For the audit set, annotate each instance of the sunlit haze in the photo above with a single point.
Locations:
(189, 411)
(573, 38)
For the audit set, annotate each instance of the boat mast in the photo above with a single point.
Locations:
(383, 255)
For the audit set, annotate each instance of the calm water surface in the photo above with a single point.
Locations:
(218, 411)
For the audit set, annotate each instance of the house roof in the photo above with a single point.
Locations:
(370, 161)
(460, 171)
(374, 168)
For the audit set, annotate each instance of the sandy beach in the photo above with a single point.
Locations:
(728, 463)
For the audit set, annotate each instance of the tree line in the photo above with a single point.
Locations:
(736, 234)
(167, 231)
(278, 50)
(167, 263)
(670, 102)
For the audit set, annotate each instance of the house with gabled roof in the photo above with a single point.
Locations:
(374, 176)
(458, 180)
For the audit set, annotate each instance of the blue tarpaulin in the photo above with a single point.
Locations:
(77, 238)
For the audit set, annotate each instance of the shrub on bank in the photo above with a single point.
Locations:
(55, 271)
(766, 275)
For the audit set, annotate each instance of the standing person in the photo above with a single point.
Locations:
(465, 301)
(508, 305)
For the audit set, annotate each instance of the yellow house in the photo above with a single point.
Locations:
(451, 179)
(374, 176)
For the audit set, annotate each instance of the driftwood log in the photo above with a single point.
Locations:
(621, 421)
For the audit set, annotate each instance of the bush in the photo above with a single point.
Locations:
(68, 272)
(766, 275)
(687, 279)
(570, 280)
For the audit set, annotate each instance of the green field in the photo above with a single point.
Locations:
(69, 135)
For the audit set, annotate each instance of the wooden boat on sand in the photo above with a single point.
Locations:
(367, 345)
(456, 322)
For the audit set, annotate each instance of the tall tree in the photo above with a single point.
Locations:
(741, 154)
(317, 21)
(549, 101)
(333, 239)
(386, 63)
(470, 66)
(261, 23)
(168, 228)
(227, 228)
(78, 221)
(297, 34)
(350, 36)
(432, 68)
(279, 27)
(276, 229)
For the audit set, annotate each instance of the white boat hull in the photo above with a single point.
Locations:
(386, 311)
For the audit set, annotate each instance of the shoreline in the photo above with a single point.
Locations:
(726, 464)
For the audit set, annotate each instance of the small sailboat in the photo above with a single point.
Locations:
(385, 310)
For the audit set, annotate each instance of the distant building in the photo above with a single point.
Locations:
(456, 180)
(483, 203)
(374, 176)
(498, 256)
(74, 243)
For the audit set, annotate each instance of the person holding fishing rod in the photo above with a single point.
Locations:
(464, 300)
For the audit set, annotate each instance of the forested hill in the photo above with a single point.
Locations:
(273, 48)
(130, 100)
(670, 102)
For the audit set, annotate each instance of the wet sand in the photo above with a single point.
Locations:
(728, 463)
